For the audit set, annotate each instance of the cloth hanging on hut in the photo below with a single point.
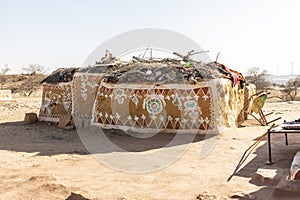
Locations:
(236, 76)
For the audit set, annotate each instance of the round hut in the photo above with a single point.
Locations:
(171, 96)
(57, 95)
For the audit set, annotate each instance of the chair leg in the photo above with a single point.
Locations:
(262, 117)
(259, 120)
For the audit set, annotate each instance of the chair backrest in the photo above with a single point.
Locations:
(259, 101)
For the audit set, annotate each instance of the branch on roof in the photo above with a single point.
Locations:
(187, 58)
(217, 57)
(138, 59)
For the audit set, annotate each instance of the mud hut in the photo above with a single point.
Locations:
(57, 95)
(170, 96)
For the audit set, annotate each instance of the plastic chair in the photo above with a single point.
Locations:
(259, 100)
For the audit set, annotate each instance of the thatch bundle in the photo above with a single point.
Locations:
(60, 75)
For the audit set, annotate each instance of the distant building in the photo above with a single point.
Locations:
(282, 79)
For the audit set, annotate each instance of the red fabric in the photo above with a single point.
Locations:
(236, 76)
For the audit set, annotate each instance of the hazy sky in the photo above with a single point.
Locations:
(60, 33)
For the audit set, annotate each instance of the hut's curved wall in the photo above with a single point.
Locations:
(209, 105)
(56, 101)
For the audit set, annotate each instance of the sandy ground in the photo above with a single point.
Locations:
(41, 161)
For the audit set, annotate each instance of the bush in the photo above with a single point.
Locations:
(34, 69)
(257, 76)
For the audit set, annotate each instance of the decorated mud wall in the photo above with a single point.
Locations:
(56, 101)
(57, 95)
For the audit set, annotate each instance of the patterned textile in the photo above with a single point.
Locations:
(249, 91)
(235, 75)
(85, 86)
(56, 101)
(230, 100)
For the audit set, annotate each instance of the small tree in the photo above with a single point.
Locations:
(257, 76)
(290, 91)
(34, 69)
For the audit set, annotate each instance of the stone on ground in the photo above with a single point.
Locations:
(64, 121)
(30, 118)
(264, 176)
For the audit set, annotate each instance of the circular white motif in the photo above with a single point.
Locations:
(154, 105)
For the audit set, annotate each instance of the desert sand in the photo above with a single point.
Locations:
(42, 161)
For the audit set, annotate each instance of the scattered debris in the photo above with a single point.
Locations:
(241, 195)
(291, 125)
(80, 152)
(206, 197)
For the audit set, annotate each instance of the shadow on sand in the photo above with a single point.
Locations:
(46, 139)
(282, 157)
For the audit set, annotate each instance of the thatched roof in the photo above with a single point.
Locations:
(97, 68)
(162, 72)
(60, 75)
(105, 65)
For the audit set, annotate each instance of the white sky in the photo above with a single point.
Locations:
(60, 33)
